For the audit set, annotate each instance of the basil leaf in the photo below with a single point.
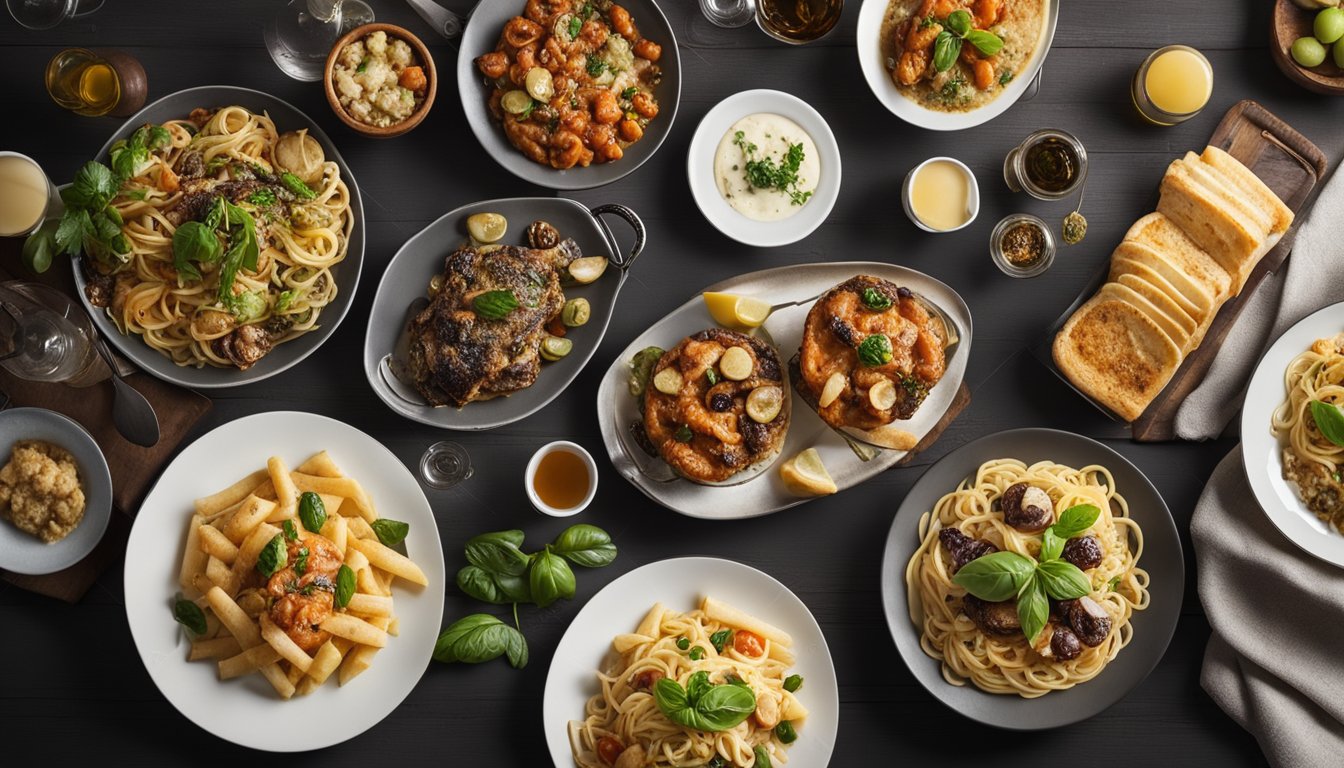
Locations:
(390, 532)
(717, 708)
(493, 305)
(40, 247)
(697, 685)
(478, 638)
(301, 562)
(313, 513)
(189, 615)
(987, 43)
(1063, 580)
(1033, 609)
(93, 188)
(762, 757)
(550, 578)
(498, 553)
(1051, 545)
(946, 49)
(792, 683)
(959, 21)
(75, 228)
(496, 588)
(875, 350)
(1075, 520)
(720, 639)
(273, 556)
(295, 184)
(345, 586)
(1329, 420)
(786, 732)
(585, 545)
(996, 576)
(291, 533)
(875, 299)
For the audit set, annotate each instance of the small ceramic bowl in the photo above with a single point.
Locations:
(422, 55)
(530, 474)
(972, 194)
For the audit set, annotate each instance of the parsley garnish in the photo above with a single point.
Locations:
(764, 173)
(595, 66)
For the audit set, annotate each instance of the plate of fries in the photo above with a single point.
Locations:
(265, 585)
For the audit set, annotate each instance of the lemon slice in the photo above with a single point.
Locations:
(487, 227)
(805, 475)
(733, 311)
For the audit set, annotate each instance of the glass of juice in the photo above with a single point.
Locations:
(1173, 85)
(26, 195)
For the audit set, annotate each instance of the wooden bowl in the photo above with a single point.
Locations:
(421, 53)
(1290, 23)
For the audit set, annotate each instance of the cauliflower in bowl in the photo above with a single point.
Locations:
(40, 492)
(378, 80)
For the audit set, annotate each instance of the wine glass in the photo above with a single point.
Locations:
(45, 14)
(300, 36)
(45, 337)
(445, 464)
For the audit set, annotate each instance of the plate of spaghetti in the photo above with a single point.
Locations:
(1293, 434)
(1032, 578)
(692, 661)
(233, 237)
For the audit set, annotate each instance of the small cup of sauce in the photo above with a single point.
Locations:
(1048, 165)
(561, 479)
(1022, 245)
(940, 195)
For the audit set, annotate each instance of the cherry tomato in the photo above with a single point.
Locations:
(608, 749)
(748, 643)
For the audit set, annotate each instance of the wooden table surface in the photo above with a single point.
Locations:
(72, 680)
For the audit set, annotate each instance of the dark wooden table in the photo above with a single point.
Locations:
(72, 680)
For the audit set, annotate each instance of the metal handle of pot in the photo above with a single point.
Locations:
(623, 261)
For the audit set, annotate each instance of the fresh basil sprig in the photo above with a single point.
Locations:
(703, 706)
(189, 615)
(313, 513)
(273, 557)
(1002, 575)
(495, 305)
(550, 578)
(478, 638)
(1329, 420)
(345, 586)
(585, 545)
(956, 29)
(390, 532)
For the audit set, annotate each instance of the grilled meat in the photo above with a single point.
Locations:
(456, 355)
(837, 328)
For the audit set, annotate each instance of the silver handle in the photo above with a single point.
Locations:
(442, 20)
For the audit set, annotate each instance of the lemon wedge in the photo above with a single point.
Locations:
(805, 475)
(738, 312)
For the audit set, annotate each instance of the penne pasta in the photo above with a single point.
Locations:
(392, 561)
(194, 559)
(213, 542)
(286, 494)
(211, 505)
(355, 629)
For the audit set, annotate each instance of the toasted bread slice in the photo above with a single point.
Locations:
(1251, 185)
(1194, 297)
(1162, 235)
(1228, 192)
(1161, 300)
(1227, 236)
(1172, 329)
(1116, 354)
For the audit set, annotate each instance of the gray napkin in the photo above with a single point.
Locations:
(1274, 660)
(1310, 279)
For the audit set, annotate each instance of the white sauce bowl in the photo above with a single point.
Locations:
(530, 475)
(972, 194)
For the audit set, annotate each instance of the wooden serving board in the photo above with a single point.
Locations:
(1292, 166)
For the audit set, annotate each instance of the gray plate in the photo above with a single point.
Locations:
(22, 553)
(287, 118)
(407, 278)
(481, 36)
(764, 493)
(1153, 627)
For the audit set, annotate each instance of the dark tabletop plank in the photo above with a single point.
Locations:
(71, 673)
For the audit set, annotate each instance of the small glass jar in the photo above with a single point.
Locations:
(1035, 267)
(1017, 178)
(1172, 85)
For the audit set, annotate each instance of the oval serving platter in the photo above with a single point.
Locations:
(481, 35)
(617, 409)
(287, 118)
(1153, 627)
(408, 275)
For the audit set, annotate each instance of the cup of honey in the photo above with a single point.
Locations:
(561, 479)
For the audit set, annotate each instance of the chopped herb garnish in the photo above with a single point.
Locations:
(765, 173)
(1006, 77)
(301, 562)
(711, 376)
(683, 434)
(629, 93)
(575, 24)
(262, 197)
(595, 66)
(875, 299)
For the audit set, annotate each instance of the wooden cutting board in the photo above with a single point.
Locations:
(1292, 166)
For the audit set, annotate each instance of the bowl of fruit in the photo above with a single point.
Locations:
(1308, 43)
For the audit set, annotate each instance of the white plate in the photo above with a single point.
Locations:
(700, 169)
(23, 553)
(681, 584)
(875, 72)
(1261, 452)
(765, 493)
(246, 710)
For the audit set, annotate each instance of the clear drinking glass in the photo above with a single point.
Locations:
(45, 337)
(445, 464)
(301, 35)
(790, 21)
(45, 14)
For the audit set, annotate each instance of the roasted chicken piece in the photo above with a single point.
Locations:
(457, 355)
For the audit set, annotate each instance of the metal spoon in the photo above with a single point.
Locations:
(442, 20)
(131, 412)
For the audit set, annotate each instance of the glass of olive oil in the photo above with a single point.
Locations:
(89, 83)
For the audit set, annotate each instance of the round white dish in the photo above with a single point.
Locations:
(530, 474)
(972, 195)
(246, 710)
(680, 584)
(1262, 452)
(705, 190)
(871, 61)
(24, 553)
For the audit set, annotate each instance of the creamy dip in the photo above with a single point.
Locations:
(773, 135)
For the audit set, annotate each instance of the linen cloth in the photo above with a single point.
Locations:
(1273, 662)
(1313, 277)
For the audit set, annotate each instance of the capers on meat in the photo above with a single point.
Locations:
(540, 234)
